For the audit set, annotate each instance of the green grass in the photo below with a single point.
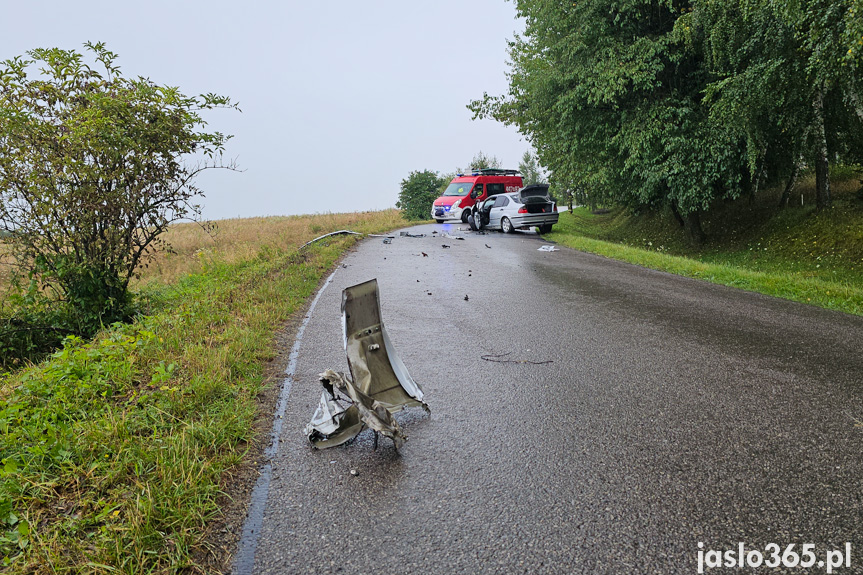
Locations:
(113, 451)
(795, 253)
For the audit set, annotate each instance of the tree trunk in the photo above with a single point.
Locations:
(676, 213)
(789, 187)
(855, 102)
(696, 232)
(746, 183)
(822, 164)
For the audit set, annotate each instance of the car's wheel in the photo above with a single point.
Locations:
(472, 222)
(464, 215)
(506, 226)
(546, 229)
(438, 221)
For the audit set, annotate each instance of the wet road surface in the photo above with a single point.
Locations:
(673, 412)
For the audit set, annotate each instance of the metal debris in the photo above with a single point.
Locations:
(380, 383)
(496, 359)
(410, 235)
(444, 245)
(548, 249)
(330, 234)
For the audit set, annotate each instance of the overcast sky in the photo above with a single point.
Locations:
(340, 100)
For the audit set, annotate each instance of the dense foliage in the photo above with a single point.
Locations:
(91, 175)
(417, 194)
(680, 103)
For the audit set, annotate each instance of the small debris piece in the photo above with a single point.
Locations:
(548, 249)
(444, 245)
(488, 246)
(496, 359)
(388, 240)
(374, 347)
(410, 235)
(466, 298)
(460, 238)
(429, 293)
(425, 255)
(354, 472)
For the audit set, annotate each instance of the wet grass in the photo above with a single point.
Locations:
(796, 253)
(114, 451)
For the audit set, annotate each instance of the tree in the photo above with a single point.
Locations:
(481, 162)
(418, 193)
(531, 171)
(610, 96)
(92, 173)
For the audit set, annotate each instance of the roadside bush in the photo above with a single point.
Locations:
(418, 193)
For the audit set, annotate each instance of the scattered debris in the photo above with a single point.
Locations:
(466, 298)
(496, 359)
(381, 383)
(388, 240)
(548, 249)
(354, 472)
(328, 235)
(425, 255)
(428, 293)
(410, 235)
(444, 245)
(488, 246)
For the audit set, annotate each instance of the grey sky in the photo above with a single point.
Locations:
(340, 99)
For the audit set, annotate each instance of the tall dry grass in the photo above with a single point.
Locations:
(237, 239)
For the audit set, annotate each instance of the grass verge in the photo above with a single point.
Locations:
(795, 253)
(113, 452)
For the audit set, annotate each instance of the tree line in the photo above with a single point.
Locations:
(681, 103)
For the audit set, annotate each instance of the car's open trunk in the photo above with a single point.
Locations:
(535, 198)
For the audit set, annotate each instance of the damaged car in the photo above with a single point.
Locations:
(529, 207)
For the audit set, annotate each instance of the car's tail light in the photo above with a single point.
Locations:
(555, 207)
(522, 210)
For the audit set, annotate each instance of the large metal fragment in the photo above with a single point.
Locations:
(381, 383)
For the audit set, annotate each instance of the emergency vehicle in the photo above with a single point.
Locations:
(465, 190)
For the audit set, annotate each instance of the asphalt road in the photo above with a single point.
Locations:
(673, 412)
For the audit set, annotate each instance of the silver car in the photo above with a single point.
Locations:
(529, 207)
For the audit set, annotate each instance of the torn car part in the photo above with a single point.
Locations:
(380, 384)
